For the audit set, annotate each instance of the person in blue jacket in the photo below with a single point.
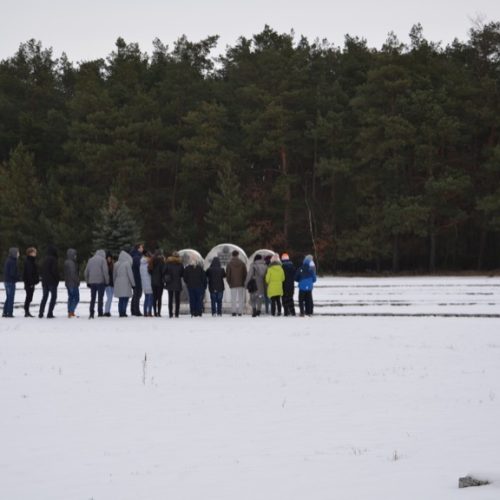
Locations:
(306, 277)
(11, 276)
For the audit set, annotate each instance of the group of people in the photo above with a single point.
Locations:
(269, 280)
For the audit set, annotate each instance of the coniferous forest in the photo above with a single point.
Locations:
(371, 159)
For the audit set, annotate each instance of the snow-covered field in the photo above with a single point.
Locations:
(392, 391)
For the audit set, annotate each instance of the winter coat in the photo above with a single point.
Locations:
(71, 274)
(110, 272)
(275, 277)
(236, 272)
(145, 276)
(289, 284)
(305, 276)
(157, 271)
(258, 270)
(173, 274)
(50, 270)
(194, 277)
(97, 272)
(136, 266)
(215, 276)
(123, 277)
(10, 274)
(30, 272)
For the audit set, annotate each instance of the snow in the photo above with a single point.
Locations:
(350, 407)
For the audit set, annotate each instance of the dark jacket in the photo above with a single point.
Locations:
(110, 265)
(215, 275)
(173, 274)
(194, 277)
(136, 267)
(236, 273)
(10, 274)
(71, 273)
(30, 272)
(289, 283)
(157, 271)
(49, 270)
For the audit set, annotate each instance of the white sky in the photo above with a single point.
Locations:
(88, 29)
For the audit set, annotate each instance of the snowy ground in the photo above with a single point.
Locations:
(396, 400)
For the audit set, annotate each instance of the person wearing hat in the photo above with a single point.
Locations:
(274, 279)
(306, 277)
(288, 285)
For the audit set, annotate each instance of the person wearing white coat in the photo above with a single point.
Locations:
(147, 286)
(124, 282)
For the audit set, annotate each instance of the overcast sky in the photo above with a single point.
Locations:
(88, 29)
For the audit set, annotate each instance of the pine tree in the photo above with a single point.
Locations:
(116, 228)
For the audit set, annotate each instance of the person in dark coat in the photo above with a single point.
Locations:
(50, 282)
(109, 290)
(288, 285)
(173, 282)
(157, 268)
(72, 281)
(11, 277)
(136, 254)
(30, 279)
(215, 276)
(196, 282)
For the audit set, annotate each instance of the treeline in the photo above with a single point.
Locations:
(372, 159)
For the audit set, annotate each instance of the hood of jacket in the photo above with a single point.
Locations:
(124, 257)
(13, 252)
(215, 264)
(100, 253)
(71, 254)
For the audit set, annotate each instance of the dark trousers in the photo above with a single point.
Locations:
(157, 296)
(305, 303)
(52, 289)
(97, 290)
(276, 305)
(288, 305)
(122, 306)
(196, 301)
(174, 295)
(216, 300)
(30, 290)
(135, 307)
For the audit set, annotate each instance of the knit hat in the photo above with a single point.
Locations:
(284, 256)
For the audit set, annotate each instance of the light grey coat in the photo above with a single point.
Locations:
(96, 271)
(145, 276)
(123, 276)
(257, 270)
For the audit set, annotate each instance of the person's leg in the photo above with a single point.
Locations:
(309, 303)
(160, 299)
(220, 296)
(100, 299)
(155, 300)
(8, 306)
(53, 300)
(29, 298)
(241, 300)
(191, 294)
(273, 306)
(77, 299)
(234, 294)
(45, 296)
(199, 301)
(177, 296)
(278, 304)
(70, 300)
(301, 302)
(109, 300)
(93, 295)
(170, 303)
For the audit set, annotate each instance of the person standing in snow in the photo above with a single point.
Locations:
(136, 254)
(97, 277)
(257, 271)
(110, 261)
(123, 280)
(50, 282)
(196, 282)
(147, 288)
(11, 277)
(274, 280)
(236, 274)
(288, 285)
(306, 277)
(215, 276)
(72, 281)
(157, 268)
(30, 279)
(174, 271)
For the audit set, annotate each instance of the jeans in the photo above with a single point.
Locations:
(196, 301)
(174, 295)
(52, 289)
(73, 298)
(237, 299)
(97, 290)
(30, 290)
(305, 303)
(8, 306)
(216, 299)
(122, 306)
(148, 304)
(109, 299)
